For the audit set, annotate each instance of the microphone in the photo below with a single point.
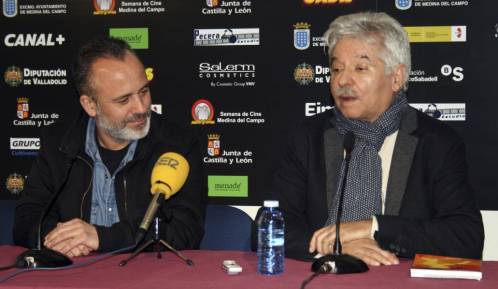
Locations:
(337, 262)
(348, 144)
(168, 176)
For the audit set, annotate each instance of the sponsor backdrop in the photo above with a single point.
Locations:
(241, 74)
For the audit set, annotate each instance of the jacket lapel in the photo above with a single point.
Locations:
(401, 163)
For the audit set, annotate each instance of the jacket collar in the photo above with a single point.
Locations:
(73, 139)
(404, 150)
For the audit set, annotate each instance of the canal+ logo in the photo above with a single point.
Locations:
(33, 39)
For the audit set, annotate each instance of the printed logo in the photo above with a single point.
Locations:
(157, 108)
(213, 145)
(15, 183)
(407, 4)
(33, 39)
(149, 73)
(303, 38)
(302, 35)
(419, 75)
(251, 117)
(456, 72)
(228, 186)
(403, 4)
(12, 9)
(9, 8)
(314, 108)
(436, 33)
(137, 38)
(17, 143)
(24, 146)
(442, 111)
(104, 7)
(304, 74)
(13, 76)
(224, 7)
(216, 155)
(23, 108)
(202, 112)
(25, 118)
(326, 2)
(228, 75)
(226, 37)
(459, 33)
(112, 7)
(213, 3)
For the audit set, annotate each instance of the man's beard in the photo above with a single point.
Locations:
(119, 131)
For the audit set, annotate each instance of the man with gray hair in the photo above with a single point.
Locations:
(407, 188)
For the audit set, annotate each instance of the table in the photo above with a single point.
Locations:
(148, 272)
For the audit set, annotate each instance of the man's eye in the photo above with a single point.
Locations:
(123, 100)
(144, 91)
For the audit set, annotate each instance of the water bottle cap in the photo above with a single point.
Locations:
(270, 204)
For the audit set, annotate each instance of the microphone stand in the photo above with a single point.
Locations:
(337, 262)
(156, 241)
(168, 176)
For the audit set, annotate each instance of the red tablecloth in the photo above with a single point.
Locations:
(148, 272)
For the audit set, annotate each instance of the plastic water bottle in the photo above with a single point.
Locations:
(271, 255)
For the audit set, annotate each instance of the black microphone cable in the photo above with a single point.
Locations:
(73, 266)
(325, 268)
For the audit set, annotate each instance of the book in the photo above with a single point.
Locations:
(433, 266)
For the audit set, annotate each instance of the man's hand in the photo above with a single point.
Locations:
(369, 251)
(80, 250)
(73, 238)
(324, 238)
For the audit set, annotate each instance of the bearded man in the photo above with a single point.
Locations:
(100, 165)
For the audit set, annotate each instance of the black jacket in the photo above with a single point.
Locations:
(429, 207)
(62, 165)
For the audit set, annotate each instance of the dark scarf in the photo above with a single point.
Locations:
(363, 194)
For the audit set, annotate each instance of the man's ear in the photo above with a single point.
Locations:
(398, 77)
(89, 105)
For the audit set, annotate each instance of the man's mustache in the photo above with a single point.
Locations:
(138, 116)
(345, 91)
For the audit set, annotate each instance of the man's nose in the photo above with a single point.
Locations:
(344, 78)
(140, 104)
